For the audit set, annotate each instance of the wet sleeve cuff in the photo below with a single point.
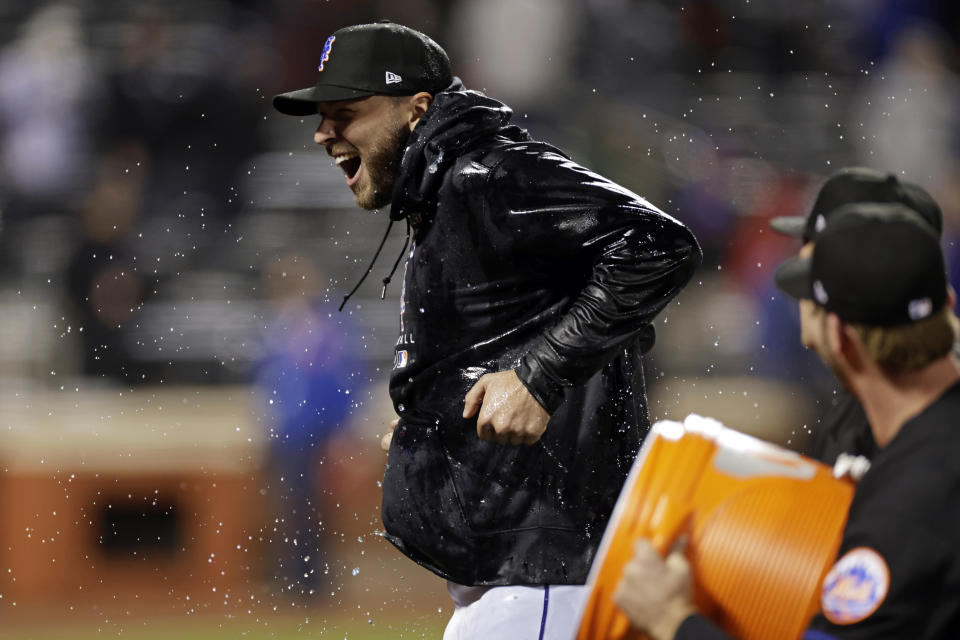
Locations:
(549, 394)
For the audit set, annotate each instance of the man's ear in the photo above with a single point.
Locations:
(418, 105)
(831, 332)
(848, 344)
(834, 336)
(951, 297)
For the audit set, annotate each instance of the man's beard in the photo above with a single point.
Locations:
(382, 163)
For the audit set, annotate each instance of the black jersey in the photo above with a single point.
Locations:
(897, 575)
(843, 429)
(898, 572)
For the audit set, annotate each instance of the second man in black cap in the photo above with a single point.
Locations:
(842, 437)
(880, 315)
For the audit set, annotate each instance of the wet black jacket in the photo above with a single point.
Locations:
(521, 259)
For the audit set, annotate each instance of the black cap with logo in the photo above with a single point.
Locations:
(859, 184)
(382, 58)
(874, 264)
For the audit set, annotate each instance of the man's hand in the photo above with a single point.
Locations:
(655, 594)
(508, 413)
(388, 436)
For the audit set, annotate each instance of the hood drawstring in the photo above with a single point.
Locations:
(403, 251)
(376, 255)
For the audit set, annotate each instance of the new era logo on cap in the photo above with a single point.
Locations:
(393, 78)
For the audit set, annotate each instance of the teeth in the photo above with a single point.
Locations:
(341, 159)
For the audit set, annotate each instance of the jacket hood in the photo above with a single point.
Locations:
(457, 119)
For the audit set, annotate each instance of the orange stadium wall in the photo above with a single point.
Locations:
(131, 495)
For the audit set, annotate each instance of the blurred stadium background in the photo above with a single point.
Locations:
(169, 245)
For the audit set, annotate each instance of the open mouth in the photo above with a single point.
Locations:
(350, 165)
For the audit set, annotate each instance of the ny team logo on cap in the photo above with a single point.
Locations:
(325, 54)
(820, 224)
(820, 292)
(381, 58)
(855, 586)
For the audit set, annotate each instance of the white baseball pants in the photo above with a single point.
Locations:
(516, 612)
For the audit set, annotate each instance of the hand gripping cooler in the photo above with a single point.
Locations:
(764, 526)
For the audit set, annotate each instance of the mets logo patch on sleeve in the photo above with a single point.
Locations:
(855, 586)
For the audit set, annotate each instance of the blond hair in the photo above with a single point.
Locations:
(910, 347)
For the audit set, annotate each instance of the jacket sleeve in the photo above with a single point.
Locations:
(635, 258)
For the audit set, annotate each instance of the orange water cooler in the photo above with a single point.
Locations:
(763, 526)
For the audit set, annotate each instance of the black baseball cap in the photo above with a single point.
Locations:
(859, 184)
(874, 264)
(382, 58)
